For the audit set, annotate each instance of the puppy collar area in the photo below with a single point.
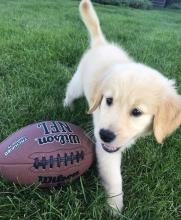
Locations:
(108, 149)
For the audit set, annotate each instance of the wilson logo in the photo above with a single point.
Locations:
(56, 179)
(62, 138)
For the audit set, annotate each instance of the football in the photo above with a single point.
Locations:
(49, 153)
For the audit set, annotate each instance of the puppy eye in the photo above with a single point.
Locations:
(109, 101)
(136, 112)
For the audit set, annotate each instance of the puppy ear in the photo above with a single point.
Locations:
(95, 102)
(167, 118)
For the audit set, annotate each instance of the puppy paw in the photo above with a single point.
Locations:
(115, 205)
(66, 102)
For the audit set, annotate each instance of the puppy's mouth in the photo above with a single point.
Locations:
(109, 149)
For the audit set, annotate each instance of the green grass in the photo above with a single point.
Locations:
(41, 43)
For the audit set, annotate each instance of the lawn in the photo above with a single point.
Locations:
(41, 43)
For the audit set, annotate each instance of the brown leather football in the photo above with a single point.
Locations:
(49, 153)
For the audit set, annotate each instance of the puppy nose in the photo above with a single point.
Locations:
(107, 135)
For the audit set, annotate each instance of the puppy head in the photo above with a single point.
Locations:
(132, 101)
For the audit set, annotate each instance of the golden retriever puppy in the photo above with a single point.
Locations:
(127, 99)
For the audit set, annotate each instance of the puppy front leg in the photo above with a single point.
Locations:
(109, 165)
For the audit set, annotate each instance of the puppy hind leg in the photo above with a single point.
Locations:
(74, 89)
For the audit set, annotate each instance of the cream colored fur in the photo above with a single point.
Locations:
(105, 71)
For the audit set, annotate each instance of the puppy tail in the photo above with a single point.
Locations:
(91, 21)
